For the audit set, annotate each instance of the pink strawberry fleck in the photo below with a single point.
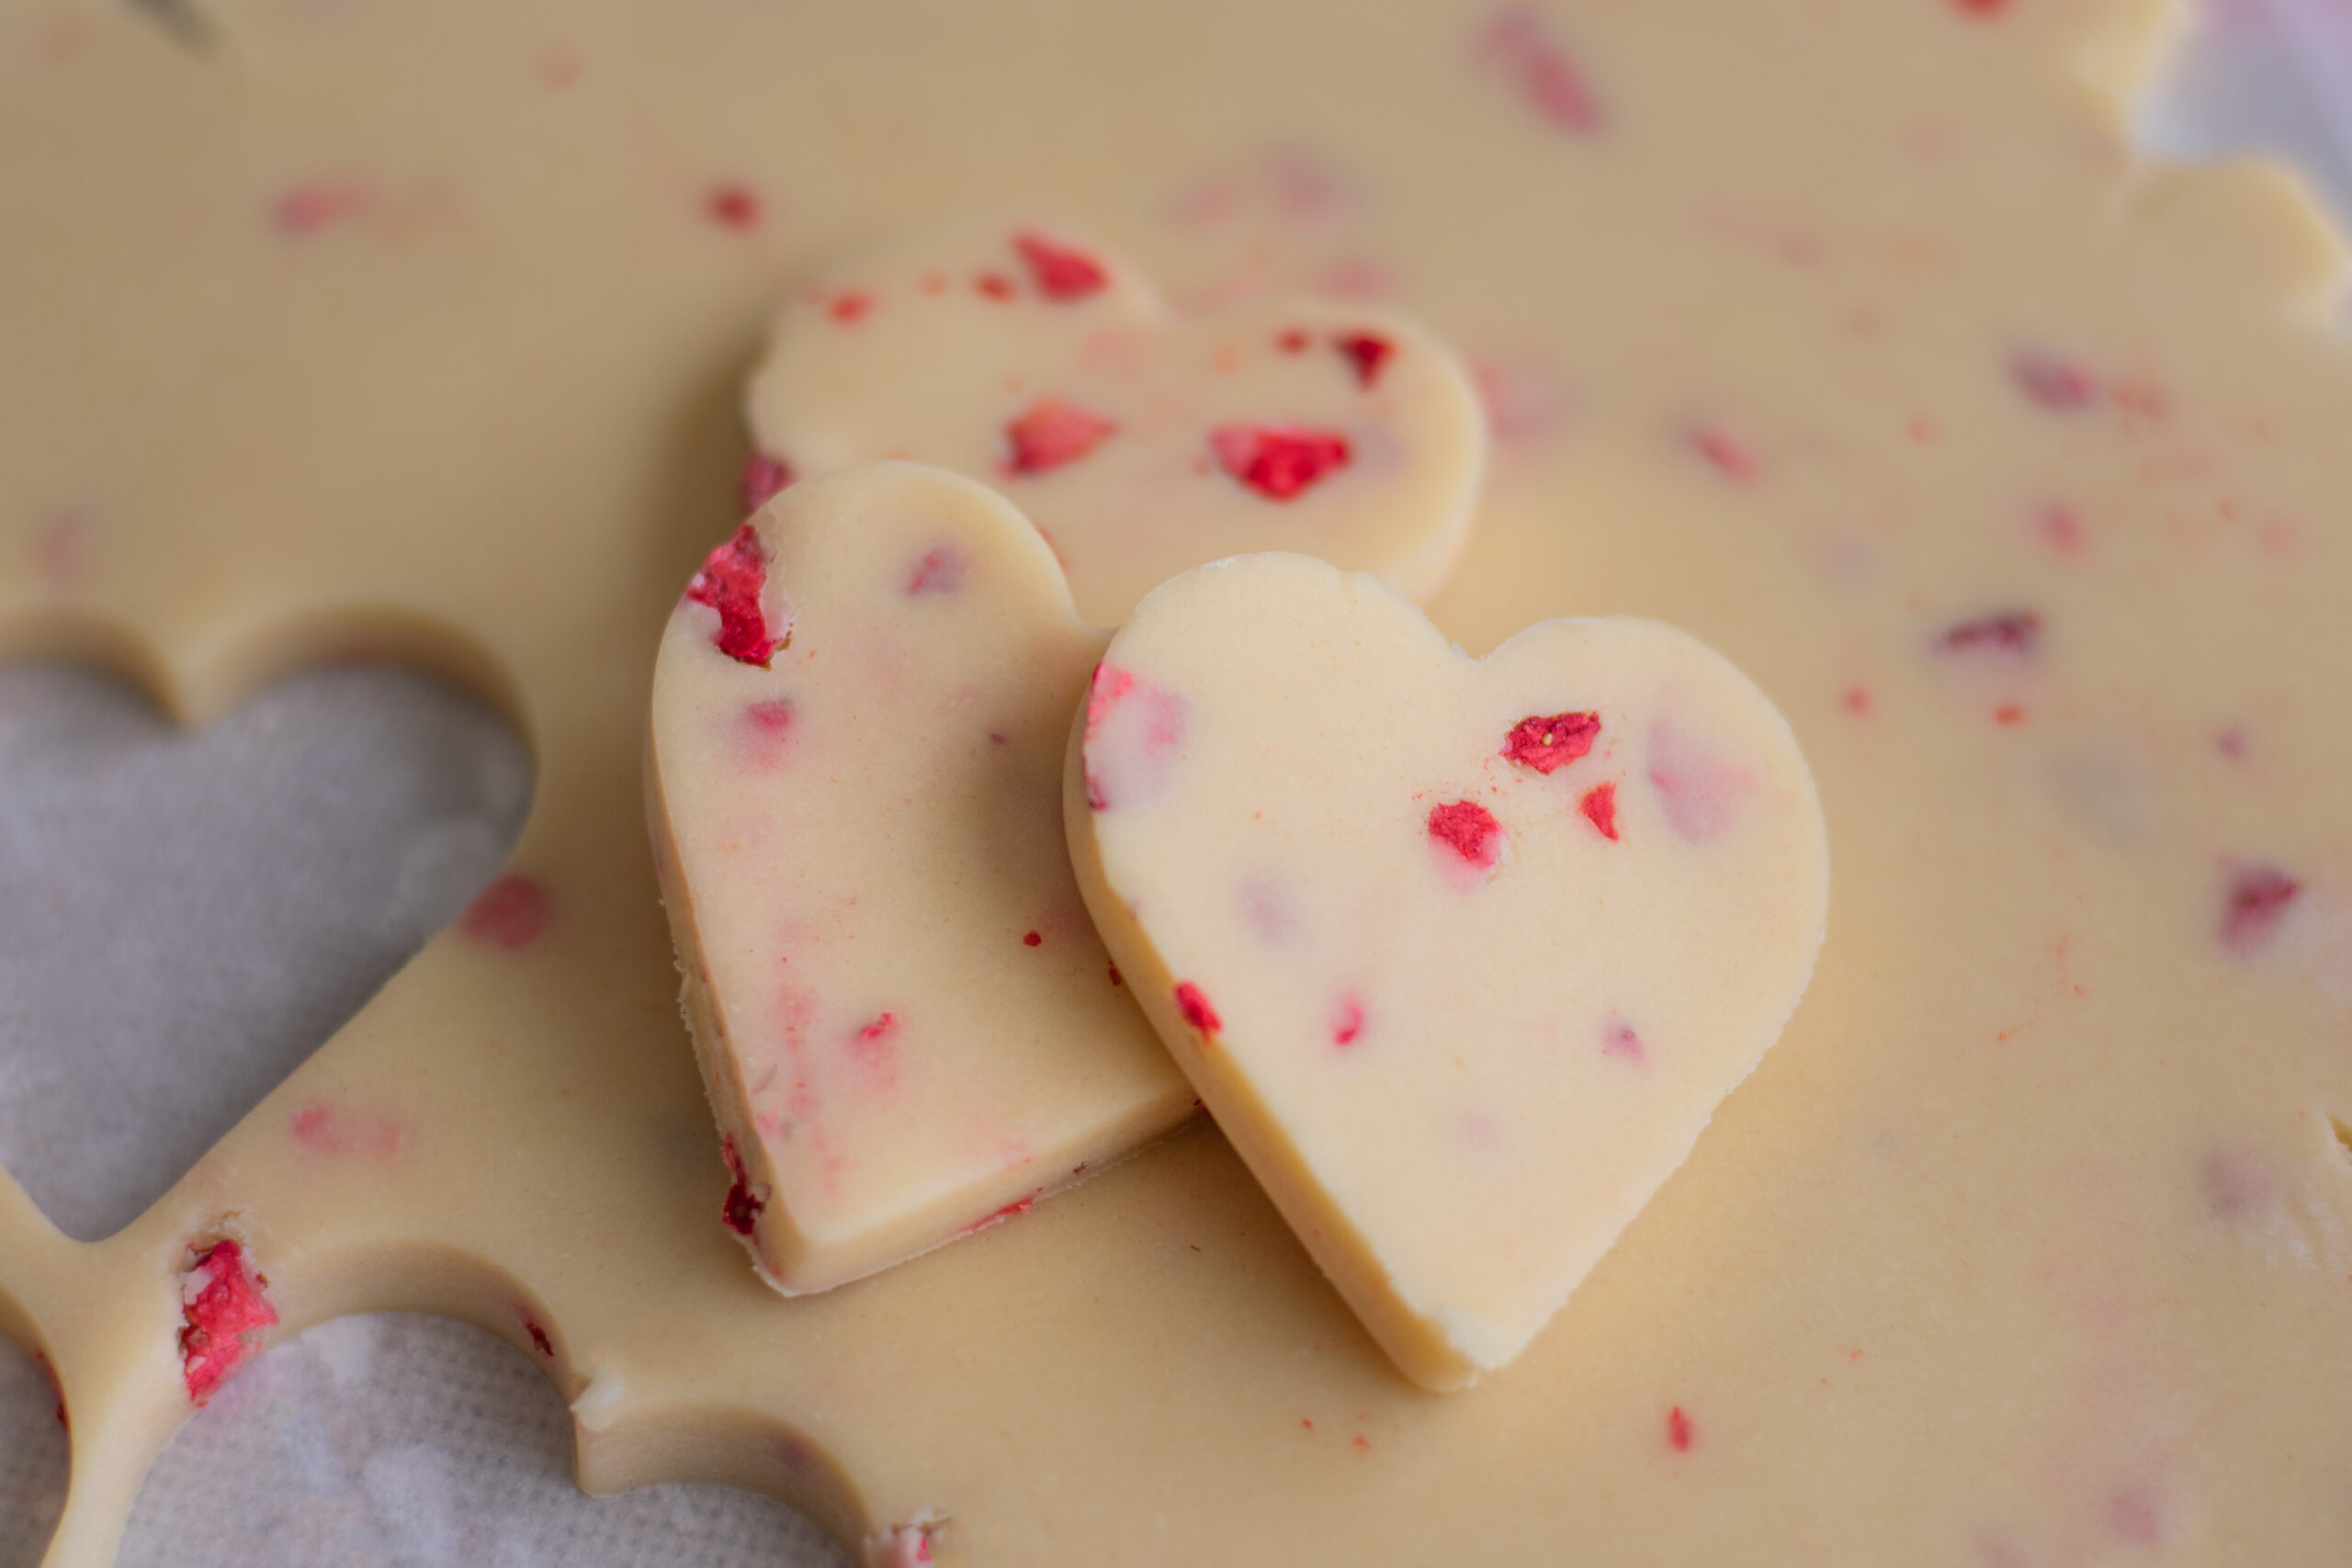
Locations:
(510, 914)
(1128, 751)
(1699, 789)
(1032, 939)
(2015, 632)
(2136, 1515)
(319, 205)
(1727, 454)
(1600, 807)
(63, 547)
(763, 476)
(730, 583)
(1061, 272)
(2053, 384)
(1368, 353)
(1521, 44)
(940, 571)
(995, 286)
(1347, 1022)
(908, 1546)
(1469, 830)
(2062, 529)
(1017, 1207)
(539, 1340)
(1103, 692)
(337, 1130)
(1292, 342)
(1619, 1038)
(851, 307)
(559, 67)
(223, 1306)
(1547, 745)
(2258, 900)
(882, 1028)
(1680, 1431)
(771, 716)
(2237, 1184)
(1280, 462)
(740, 1208)
(1052, 432)
(732, 204)
(1193, 1005)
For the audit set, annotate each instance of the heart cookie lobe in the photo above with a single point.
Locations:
(1460, 954)
(905, 1021)
(1140, 443)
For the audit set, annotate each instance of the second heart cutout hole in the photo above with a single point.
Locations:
(185, 917)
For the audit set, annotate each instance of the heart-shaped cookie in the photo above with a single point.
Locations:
(1140, 443)
(1462, 954)
(905, 1023)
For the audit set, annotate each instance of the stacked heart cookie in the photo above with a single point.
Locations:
(1460, 954)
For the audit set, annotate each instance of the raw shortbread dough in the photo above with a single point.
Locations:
(2011, 467)
(1461, 955)
(907, 1024)
(1141, 444)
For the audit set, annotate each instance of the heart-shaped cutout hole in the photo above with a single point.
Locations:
(395, 1438)
(191, 914)
(1462, 954)
(1139, 443)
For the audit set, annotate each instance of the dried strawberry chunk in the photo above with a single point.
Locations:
(1521, 43)
(1547, 745)
(1279, 461)
(2258, 900)
(1192, 1003)
(222, 1306)
(1469, 830)
(730, 583)
(1061, 272)
(1600, 807)
(763, 476)
(2053, 383)
(1054, 433)
(2011, 631)
(1369, 353)
(733, 205)
(740, 1210)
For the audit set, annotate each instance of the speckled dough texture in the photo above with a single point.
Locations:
(2009, 466)
(907, 1026)
(1460, 954)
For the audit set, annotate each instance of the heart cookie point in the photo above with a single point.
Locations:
(1140, 443)
(861, 853)
(1462, 954)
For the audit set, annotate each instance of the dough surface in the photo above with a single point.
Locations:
(1850, 337)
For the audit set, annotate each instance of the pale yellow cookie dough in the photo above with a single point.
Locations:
(1841, 334)
(907, 1025)
(1461, 955)
(1140, 443)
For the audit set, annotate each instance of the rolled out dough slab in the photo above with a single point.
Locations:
(419, 331)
